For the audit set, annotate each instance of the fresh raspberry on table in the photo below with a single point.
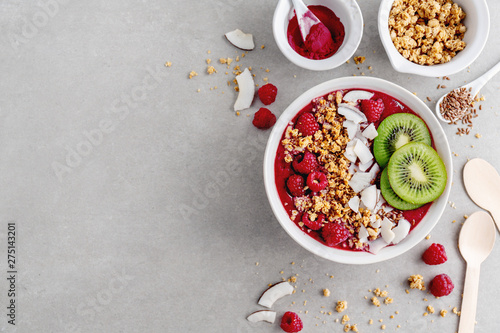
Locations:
(313, 225)
(434, 255)
(295, 184)
(263, 119)
(307, 124)
(334, 234)
(306, 163)
(372, 109)
(291, 322)
(267, 93)
(317, 181)
(441, 285)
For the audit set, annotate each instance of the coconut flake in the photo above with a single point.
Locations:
(401, 231)
(350, 154)
(363, 152)
(351, 113)
(354, 204)
(369, 197)
(363, 234)
(377, 245)
(355, 95)
(352, 128)
(370, 132)
(246, 93)
(275, 292)
(262, 315)
(365, 166)
(386, 232)
(240, 39)
(360, 181)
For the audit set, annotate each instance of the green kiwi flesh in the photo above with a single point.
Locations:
(395, 131)
(391, 197)
(416, 173)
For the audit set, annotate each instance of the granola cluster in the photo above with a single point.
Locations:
(329, 144)
(427, 32)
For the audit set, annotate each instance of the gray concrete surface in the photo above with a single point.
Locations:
(139, 203)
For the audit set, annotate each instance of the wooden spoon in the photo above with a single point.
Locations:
(475, 242)
(482, 183)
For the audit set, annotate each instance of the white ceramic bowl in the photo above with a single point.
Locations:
(477, 22)
(342, 256)
(349, 14)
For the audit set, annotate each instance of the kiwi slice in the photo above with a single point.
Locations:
(395, 131)
(391, 197)
(416, 173)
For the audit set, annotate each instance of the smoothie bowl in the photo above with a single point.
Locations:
(357, 170)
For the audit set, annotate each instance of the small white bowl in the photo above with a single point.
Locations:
(477, 21)
(343, 256)
(349, 14)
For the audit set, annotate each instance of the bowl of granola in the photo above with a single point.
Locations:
(433, 37)
(330, 183)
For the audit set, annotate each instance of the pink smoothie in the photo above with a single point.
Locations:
(323, 40)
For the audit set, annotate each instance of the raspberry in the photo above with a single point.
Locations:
(291, 322)
(313, 225)
(316, 181)
(295, 184)
(334, 234)
(267, 93)
(263, 119)
(441, 285)
(307, 124)
(434, 255)
(305, 164)
(372, 109)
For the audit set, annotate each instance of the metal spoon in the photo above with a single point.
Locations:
(305, 18)
(475, 242)
(482, 183)
(475, 87)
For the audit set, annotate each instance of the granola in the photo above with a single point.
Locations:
(427, 32)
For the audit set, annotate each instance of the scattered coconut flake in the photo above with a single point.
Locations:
(355, 95)
(275, 292)
(246, 90)
(262, 315)
(240, 39)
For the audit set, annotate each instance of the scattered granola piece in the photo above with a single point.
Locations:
(417, 282)
(345, 319)
(375, 301)
(430, 309)
(341, 306)
(326, 292)
(443, 313)
(478, 135)
(388, 300)
(192, 74)
(168, 64)
(359, 60)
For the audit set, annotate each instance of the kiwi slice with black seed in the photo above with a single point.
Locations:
(392, 198)
(416, 173)
(395, 131)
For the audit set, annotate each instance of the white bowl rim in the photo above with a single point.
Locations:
(351, 257)
(401, 64)
(345, 52)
